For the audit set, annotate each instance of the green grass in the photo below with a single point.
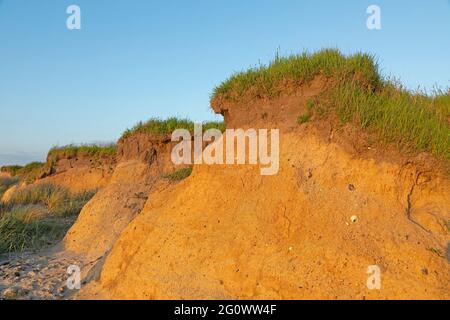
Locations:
(179, 175)
(73, 151)
(29, 172)
(308, 114)
(31, 167)
(358, 93)
(268, 81)
(17, 235)
(58, 200)
(413, 122)
(12, 170)
(161, 127)
(38, 215)
(34, 170)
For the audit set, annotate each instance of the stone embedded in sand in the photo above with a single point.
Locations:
(354, 219)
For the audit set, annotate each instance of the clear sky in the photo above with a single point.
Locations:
(137, 59)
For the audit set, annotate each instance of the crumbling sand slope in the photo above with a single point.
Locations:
(228, 232)
(80, 179)
(142, 159)
(79, 173)
(83, 173)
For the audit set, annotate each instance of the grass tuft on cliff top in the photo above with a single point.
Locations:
(160, 127)
(268, 80)
(28, 172)
(72, 151)
(12, 170)
(179, 174)
(358, 93)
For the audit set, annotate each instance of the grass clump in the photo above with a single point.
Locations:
(28, 173)
(357, 92)
(161, 127)
(58, 200)
(412, 121)
(180, 174)
(12, 170)
(38, 215)
(17, 235)
(73, 151)
(307, 115)
(31, 171)
(269, 80)
(304, 118)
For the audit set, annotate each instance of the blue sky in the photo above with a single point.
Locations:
(137, 59)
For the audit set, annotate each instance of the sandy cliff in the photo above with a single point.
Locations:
(335, 208)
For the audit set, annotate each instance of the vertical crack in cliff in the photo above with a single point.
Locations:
(409, 206)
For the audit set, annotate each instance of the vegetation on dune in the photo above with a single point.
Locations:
(160, 127)
(58, 200)
(34, 170)
(412, 121)
(270, 80)
(180, 174)
(38, 215)
(12, 170)
(73, 151)
(17, 235)
(357, 92)
(29, 172)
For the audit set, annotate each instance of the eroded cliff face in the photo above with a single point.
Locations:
(282, 113)
(336, 207)
(79, 173)
(141, 161)
(228, 232)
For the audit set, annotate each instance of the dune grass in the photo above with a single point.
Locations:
(179, 174)
(34, 170)
(17, 235)
(73, 151)
(29, 172)
(31, 168)
(413, 121)
(268, 81)
(38, 215)
(28, 169)
(58, 200)
(12, 170)
(161, 127)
